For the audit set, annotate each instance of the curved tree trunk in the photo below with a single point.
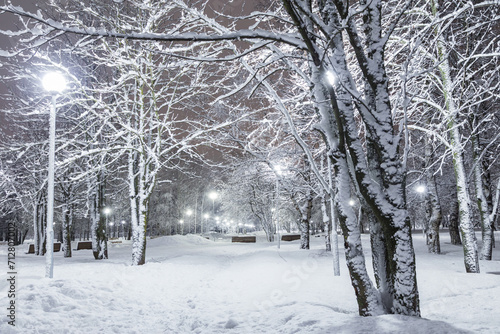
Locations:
(366, 294)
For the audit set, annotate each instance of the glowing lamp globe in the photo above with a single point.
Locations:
(420, 189)
(54, 82)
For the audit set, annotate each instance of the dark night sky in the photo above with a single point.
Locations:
(7, 22)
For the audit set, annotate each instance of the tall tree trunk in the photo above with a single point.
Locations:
(381, 181)
(367, 295)
(139, 205)
(326, 222)
(433, 207)
(333, 221)
(40, 223)
(305, 222)
(482, 203)
(471, 258)
(98, 218)
(381, 265)
(454, 224)
(66, 229)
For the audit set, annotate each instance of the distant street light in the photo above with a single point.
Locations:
(279, 171)
(123, 229)
(106, 212)
(352, 202)
(54, 83)
(189, 213)
(112, 229)
(182, 226)
(420, 189)
(206, 216)
(213, 195)
(332, 78)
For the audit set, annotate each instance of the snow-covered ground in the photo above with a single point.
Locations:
(194, 285)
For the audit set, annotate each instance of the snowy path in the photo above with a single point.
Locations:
(193, 285)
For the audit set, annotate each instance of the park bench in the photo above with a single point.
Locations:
(31, 248)
(290, 237)
(243, 239)
(57, 246)
(84, 245)
(116, 241)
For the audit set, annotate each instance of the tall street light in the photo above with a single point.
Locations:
(107, 211)
(123, 229)
(213, 195)
(279, 171)
(54, 83)
(181, 222)
(189, 212)
(206, 216)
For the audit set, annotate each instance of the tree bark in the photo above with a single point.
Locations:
(67, 226)
(433, 207)
(453, 225)
(98, 218)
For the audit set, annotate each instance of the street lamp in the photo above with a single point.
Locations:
(213, 195)
(279, 171)
(189, 212)
(54, 83)
(182, 226)
(123, 229)
(206, 216)
(106, 212)
(420, 189)
(332, 78)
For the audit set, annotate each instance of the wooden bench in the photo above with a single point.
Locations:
(290, 237)
(116, 242)
(243, 239)
(57, 246)
(84, 245)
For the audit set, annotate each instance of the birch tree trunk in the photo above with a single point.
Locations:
(433, 207)
(305, 222)
(67, 225)
(40, 221)
(98, 218)
(453, 224)
(326, 223)
(482, 203)
(471, 258)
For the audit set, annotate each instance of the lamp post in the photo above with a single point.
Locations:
(421, 190)
(123, 229)
(181, 222)
(107, 211)
(54, 83)
(278, 170)
(189, 212)
(206, 216)
(112, 228)
(213, 195)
